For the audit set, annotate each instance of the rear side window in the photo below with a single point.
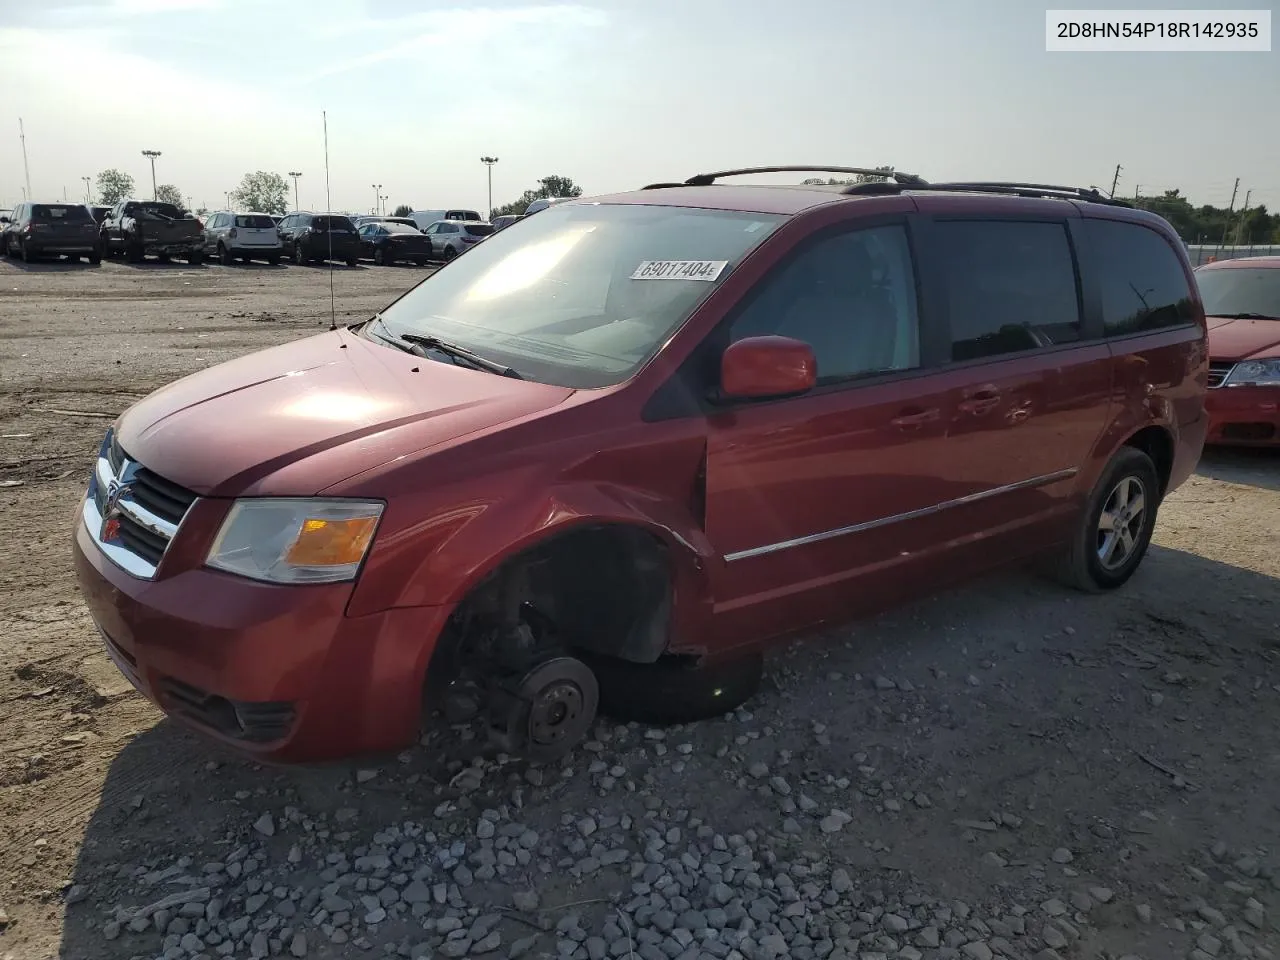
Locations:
(1142, 282)
(257, 222)
(1010, 286)
(59, 213)
(479, 229)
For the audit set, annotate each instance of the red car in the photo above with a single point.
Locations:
(604, 459)
(1242, 299)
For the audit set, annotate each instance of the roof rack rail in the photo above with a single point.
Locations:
(707, 179)
(1045, 190)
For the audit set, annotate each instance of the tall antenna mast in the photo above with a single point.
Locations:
(26, 169)
(328, 206)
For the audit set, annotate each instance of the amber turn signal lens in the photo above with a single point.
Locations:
(331, 543)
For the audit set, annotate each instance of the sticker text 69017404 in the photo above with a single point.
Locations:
(679, 270)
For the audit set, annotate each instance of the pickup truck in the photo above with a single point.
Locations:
(138, 228)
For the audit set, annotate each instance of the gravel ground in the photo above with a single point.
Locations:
(1004, 771)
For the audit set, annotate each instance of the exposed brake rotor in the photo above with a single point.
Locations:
(545, 713)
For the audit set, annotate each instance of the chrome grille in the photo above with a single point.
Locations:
(1218, 372)
(131, 512)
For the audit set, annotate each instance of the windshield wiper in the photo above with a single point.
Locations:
(419, 345)
(424, 344)
(1244, 316)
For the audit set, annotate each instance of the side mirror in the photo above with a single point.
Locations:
(767, 367)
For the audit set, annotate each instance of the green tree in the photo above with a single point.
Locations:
(113, 186)
(553, 186)
(262, 192)
(168, 193)
(403, 210)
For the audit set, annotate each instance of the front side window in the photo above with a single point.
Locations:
(1246, 292)
(585, 296)
(851, 297)
(1143, 284)
(1010, 286)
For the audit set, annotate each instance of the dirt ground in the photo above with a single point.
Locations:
(1006, 770)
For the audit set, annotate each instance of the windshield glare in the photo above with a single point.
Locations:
(1231, 290)
(557, 300)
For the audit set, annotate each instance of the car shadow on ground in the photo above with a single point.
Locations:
(150, 264)
(50, 266)
(1253, 467)
(176, 811)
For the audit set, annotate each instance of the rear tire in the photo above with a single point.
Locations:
(298, 258)
(224, 256)
(380, 258)
(135, 252)
(420, 261)
(27, 255)
(196, 259)
(95, 258)
(1124, 504)
(163, 257)
(448, 254)
(673, 690)
(274, 260)
(353, 262)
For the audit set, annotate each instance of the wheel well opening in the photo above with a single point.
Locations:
(1157, 444)
(604, 590)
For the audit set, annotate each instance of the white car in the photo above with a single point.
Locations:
(425, 218)
(452, 237)
(242, 236)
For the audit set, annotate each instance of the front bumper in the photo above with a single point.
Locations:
(277, 672)
(1244, 416)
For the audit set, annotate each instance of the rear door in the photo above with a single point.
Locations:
(255, 231)
(1029, 380)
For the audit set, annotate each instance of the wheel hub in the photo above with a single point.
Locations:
(547, 711)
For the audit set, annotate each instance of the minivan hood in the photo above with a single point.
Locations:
(295, 419)
(1243, 339)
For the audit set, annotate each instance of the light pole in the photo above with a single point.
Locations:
(489, 162)
(377, 196)
(295, 174)
(382, 205)
(226, 194)
(88, 197)
(151, 155)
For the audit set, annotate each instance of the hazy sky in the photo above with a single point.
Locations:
(613, 93)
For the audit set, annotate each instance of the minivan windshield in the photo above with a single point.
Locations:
(1241, 291)
(584, 294)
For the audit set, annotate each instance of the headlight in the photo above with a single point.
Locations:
(1254, 373)
(295, 540)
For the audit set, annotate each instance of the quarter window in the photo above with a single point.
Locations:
(1010, 286)
(850, 296)
(1142, 281)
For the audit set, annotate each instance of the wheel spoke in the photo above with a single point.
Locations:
(1126, 540)
(1137, 504)
(1108, 547)
(1107, 521)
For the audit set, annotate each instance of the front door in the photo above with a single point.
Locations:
(819, 505)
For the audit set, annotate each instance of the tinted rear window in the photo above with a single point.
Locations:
(333, 223)
(1143, 284)
(58, 212)
(1010, 287)
(399, 228)
(159, 210)
(259, 221)
(479, 229)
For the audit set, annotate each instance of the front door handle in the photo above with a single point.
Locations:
(980, 401)
(915, 417)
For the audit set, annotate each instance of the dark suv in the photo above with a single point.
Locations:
(36, 230)
(314, 237)
(604, 460)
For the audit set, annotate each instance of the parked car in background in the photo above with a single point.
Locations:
(36, 230)
(142, 228)
(542, 203)
(451, 237)
(241, 236)
(387, 243)
(425, 218)
(316, 237)
(1242, 299)
(607, 458)
(506, 220)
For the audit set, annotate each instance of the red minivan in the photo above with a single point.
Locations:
(603, 459)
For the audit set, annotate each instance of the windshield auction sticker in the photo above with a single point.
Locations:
(679, 270)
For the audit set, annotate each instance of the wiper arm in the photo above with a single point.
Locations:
(460, 353)
(1244, 316)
